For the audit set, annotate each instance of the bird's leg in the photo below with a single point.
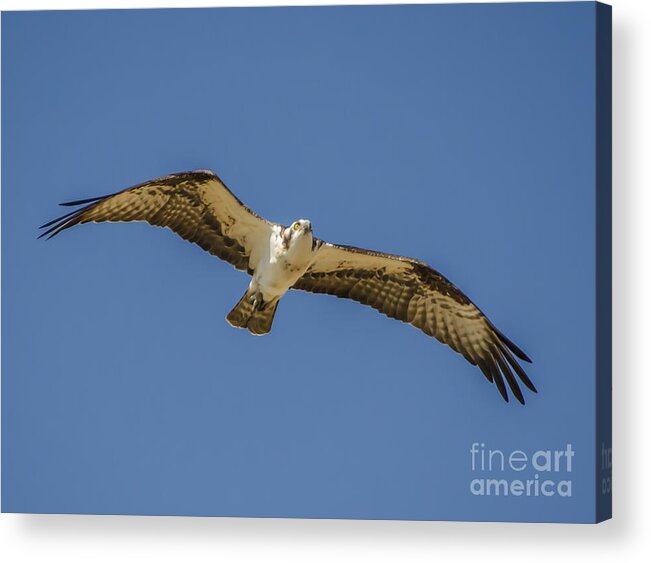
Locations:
(258, 301)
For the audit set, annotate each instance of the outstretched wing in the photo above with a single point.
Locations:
(195, 205)
(412, 292)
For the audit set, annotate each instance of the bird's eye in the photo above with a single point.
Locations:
(297, 226)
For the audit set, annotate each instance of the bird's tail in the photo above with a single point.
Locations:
(252, 314)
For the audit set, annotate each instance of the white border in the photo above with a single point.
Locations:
(103, 4)
(111, 538)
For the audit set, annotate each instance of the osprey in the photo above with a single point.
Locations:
(201, 209)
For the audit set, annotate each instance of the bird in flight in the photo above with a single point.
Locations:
(201, 209)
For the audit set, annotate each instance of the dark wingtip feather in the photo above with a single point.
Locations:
(490, 370)
(60, 224)
(55, 230)
(68, 220)
(511, 345)
(519, 353)
(45, 233)
(518, 369)
(82, 201)
(50, 223)
(516, 350)
(499, 382)
(483, 366)
(510, 378)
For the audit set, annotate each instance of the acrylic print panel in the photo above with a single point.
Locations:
(461, 135)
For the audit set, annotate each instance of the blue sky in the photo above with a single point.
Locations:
(462, 135)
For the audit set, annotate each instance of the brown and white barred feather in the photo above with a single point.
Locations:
(411, 291)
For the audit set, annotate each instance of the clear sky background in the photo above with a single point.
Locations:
(460, 135)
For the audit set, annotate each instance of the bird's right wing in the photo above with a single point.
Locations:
(411, 291)
(195, 205)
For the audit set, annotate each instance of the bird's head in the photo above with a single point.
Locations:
(298, 230)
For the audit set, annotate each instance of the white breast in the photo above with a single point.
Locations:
(281, 267)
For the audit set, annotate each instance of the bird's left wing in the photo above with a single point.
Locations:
(195, 205)
(413, 292)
